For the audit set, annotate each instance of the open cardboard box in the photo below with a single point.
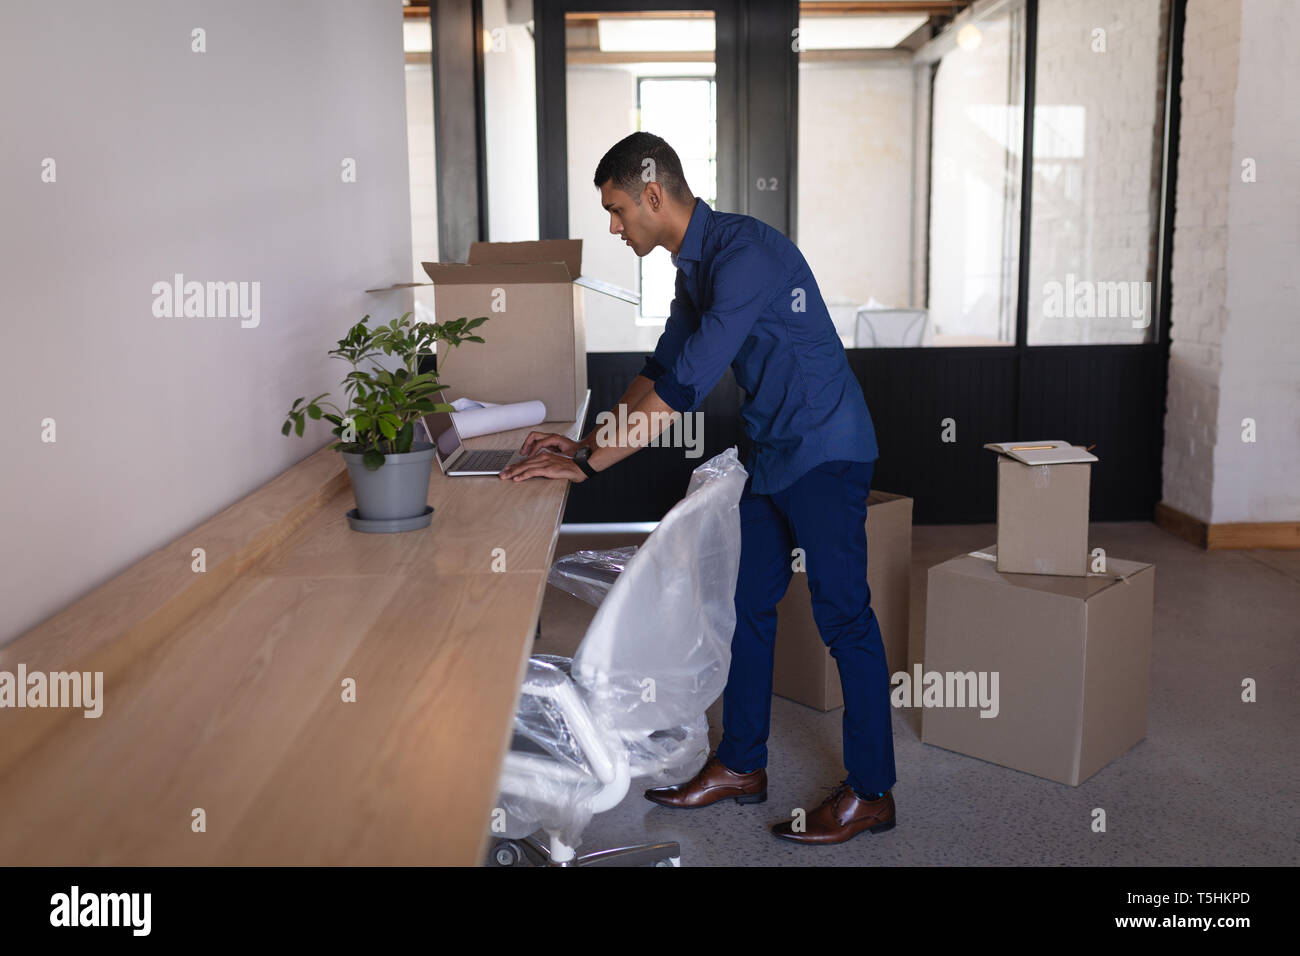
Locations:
(534, 342)
(1043, 507)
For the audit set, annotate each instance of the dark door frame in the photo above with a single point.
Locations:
(552, 99)
(459, 127)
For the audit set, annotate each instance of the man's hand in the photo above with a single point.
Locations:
(544, 464)
(536, 441)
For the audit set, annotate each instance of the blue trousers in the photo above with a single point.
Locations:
(824, 512)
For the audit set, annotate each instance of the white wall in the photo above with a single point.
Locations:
(510, 96)
(422, 160)
(855, 179)
(1260, 377)
(1235, 352)
(1199, 278)
(424, 172)
(223, 166)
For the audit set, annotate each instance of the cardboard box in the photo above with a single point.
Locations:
(804, 669)
(1073, 658)
(1043, 507)
(534, 344)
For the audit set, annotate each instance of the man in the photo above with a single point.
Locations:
(745, 297)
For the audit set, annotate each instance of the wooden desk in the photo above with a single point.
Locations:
(223, 690)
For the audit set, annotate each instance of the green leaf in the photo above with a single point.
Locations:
(313, 412)
(285, 429)
(373, 459)
(298, 425)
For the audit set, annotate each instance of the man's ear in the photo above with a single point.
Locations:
(653, 194)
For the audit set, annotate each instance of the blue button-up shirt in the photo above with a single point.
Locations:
(745, 297)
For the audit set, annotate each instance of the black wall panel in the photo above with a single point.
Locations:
(1112, 397)
(643, 486)
(1109, 396)
(910, 392)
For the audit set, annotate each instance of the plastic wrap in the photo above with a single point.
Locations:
(632, 702)
(588, 575)
(670, 756)
(548, 779)
(541, 719)
(657, 651)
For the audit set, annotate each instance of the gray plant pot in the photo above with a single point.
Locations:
(398, 489)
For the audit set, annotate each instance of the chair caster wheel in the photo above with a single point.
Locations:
(506, 853)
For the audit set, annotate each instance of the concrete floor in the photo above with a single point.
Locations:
(1215, 782)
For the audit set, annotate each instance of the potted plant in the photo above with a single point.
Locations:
(388, 465)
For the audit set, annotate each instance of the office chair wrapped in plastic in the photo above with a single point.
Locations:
(631, 702)
(588, 575)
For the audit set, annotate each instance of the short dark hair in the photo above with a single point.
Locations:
(626, 165)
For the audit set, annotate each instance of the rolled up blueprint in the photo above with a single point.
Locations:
(483, 418)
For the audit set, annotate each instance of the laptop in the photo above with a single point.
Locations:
(454, 458)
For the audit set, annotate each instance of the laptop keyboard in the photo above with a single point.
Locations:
(491, 459)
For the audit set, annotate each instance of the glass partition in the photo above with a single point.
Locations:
(909, 170)
(624, 72)
(1098, 127)
(976, 123)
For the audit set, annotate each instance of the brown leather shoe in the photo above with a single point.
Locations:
(714, 782)
(842, 816)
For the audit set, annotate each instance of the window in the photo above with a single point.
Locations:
(909, 173)
(977, 115)
(1098, 126)
(683, 111)
(629, 71)
(418, 43)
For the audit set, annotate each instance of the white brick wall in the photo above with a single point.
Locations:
(1235, 349)
(1198, 273)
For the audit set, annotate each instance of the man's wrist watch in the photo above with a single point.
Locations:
(580, 457)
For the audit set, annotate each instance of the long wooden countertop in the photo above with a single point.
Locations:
(223, 690)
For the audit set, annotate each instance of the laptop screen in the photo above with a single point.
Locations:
(442, 432)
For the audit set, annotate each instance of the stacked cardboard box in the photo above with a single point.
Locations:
(1065, 649)
(1043, 507)
(804, 670)
(1072, 657)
